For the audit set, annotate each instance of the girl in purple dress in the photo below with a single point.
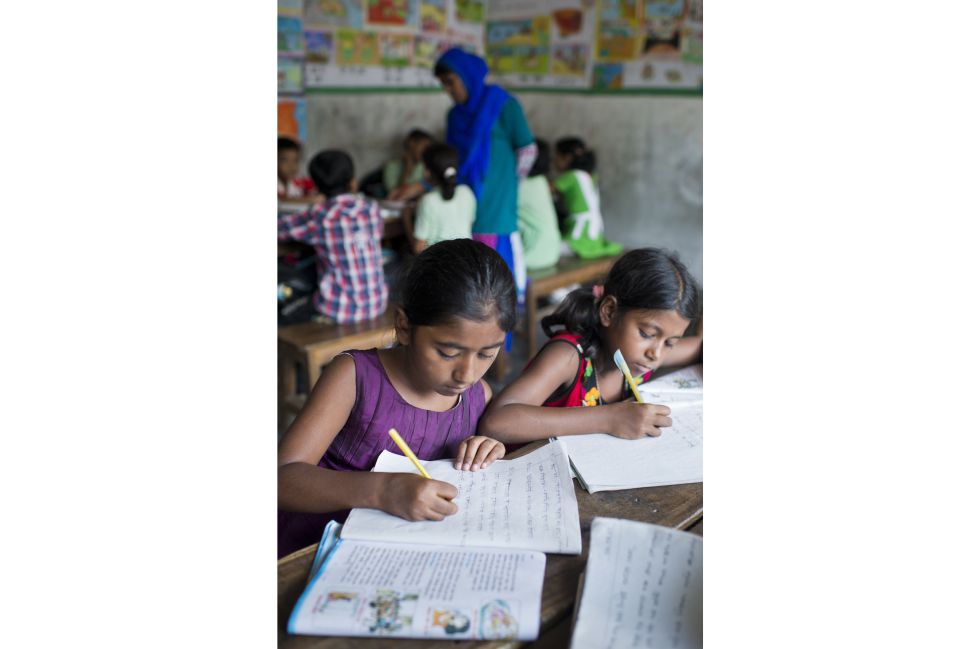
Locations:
(457, 302)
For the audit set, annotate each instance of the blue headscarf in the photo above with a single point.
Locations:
(470, 123)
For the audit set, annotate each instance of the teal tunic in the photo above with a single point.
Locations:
(496, 211)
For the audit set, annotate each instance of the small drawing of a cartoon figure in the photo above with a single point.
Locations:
(388, 616)
(452, 621)
(497, 622)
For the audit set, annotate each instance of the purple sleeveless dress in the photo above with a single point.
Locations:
(378, 407)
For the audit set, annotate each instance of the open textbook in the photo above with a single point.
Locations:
(528, 503)
(396, 590)
(605, 463)
(642, 588)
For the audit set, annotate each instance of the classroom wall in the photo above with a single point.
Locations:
(648, 146)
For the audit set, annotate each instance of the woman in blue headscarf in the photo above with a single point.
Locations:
(496, 149)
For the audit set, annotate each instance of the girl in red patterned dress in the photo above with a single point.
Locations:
(647, 303)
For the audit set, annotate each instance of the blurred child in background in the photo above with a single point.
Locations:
(292, 186)
(536, 218)
(449, 210)
(580, 196)
(345, 231)
(402, 175)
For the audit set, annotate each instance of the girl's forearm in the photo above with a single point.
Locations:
(518, 423)
(685, 351)
(307, 488)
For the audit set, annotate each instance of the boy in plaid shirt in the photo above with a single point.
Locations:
(345, 232)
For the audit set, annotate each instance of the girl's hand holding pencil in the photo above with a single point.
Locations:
(632, 420)
(415, 498)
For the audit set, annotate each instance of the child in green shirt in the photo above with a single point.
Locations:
(401, 174)
(584, 228)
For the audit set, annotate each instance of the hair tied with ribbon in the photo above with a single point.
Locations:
(597, 291)
(449, 172)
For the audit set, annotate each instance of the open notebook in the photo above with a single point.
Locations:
(642, 588)
(400, 590)
(527, 504)
(605, 463)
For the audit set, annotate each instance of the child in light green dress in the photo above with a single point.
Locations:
(583, 228)
(536, 218)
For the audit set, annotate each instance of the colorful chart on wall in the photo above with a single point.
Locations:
(290, 30)
(393, 13)
(596, 45)
(292, 118)
(290, 76)
(518, 45)
(584, 45)
(383, 43)
(342, 13)
(433, 16)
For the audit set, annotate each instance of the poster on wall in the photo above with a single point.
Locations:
(432, 15)
(589, 45)
(540, 44)
(335, 13)
(518, 45)
(393, 13)
(616, 40)
(384, 43)
(396, 50)
(356, 47)
(292, 118)
(290, 7)
(319, 46)
(662, 24)
(648, 44)
(471, 11)
(428, 49)
(290, 32)
(290, 76)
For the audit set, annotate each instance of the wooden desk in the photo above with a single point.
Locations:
(308, 346)
(678, 506)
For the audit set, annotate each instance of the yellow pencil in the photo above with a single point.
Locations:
(625, 369)
(408, 452)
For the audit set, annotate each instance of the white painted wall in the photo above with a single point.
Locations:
(648, 147)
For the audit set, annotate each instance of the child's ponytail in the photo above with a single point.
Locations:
(578, 313)
(448, 185)
(442, 163)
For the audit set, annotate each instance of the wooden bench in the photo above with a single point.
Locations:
(569, 271)
(306, 347)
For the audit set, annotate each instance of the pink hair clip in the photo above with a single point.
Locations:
(597, 291)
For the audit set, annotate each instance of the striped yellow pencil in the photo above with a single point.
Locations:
(625, 368)
(408, 452)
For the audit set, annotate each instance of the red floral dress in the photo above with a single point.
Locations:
(584, 390)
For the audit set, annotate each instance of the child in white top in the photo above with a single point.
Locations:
(448, 211)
